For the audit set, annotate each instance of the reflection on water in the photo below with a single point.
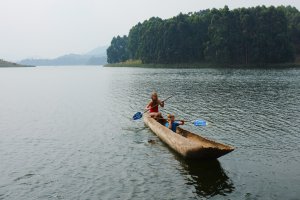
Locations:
(208, 177)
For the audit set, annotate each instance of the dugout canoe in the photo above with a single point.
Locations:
(188, 144)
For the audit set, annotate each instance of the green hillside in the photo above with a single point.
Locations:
(245, 36)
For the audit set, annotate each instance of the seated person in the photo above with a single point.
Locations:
(153, 105)
(172, 124)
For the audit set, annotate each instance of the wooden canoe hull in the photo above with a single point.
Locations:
(188, 144)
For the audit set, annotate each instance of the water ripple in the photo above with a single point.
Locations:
(72, 137)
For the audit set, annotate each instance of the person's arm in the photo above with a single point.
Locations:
(148, 105)
(162, 103)
(170, 124)
(181, 122)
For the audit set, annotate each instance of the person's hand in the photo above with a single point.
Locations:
(182, 121)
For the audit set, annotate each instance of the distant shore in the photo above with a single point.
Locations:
(204, 65)
(4, 64)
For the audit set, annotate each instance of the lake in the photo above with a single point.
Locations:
(67, 133)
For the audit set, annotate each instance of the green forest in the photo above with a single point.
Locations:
(245, 36)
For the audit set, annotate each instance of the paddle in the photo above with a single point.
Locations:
(139, 115)
(197, 122)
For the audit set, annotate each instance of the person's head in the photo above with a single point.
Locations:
(154, 96)
(171, 117)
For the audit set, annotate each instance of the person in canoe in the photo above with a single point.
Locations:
(153, 106)
(172, 124)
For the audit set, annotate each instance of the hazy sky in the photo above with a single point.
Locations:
(49, 28)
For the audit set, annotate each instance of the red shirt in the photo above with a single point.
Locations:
(155, 109)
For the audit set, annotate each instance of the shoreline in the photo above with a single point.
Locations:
(6, 64)
(206, 65)
(17, 66)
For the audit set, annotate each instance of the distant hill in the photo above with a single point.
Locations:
(99, 51)
(70, 59)
(94, 57)
(4, 63)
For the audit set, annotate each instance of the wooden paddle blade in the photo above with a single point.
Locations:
(200, 122)
(137, 116)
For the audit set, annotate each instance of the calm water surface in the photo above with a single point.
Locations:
(66, 133)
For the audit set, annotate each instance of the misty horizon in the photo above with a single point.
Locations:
(68, 53)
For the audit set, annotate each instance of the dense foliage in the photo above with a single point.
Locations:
(241, 36)
(118, 50)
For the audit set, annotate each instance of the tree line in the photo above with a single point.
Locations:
(257, 35)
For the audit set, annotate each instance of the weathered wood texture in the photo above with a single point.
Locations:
(188, 144)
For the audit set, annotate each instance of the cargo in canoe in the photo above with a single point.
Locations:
(186, 143)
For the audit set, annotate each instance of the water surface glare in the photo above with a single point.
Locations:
(67, 133)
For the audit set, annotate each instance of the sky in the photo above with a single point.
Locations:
(50, 28)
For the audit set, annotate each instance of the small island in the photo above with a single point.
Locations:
(4, 63)
(245, 37)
